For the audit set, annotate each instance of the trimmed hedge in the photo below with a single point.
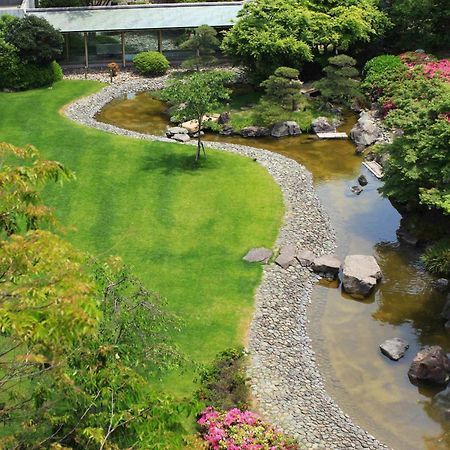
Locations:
(151, 63)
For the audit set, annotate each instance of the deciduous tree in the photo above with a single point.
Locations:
(203, 43)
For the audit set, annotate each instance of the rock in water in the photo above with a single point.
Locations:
(306, 257)
(181, 137)
(360, 275)
(357, 190)
(287, 256)
(441, 284)
(366, 131)
(260, 254)
(286, 128)
(394, 348)
(430, 365)
(445, 314)
(326, 264)
(254, 131)
(362, 180)
(441, 401)
(322, 125)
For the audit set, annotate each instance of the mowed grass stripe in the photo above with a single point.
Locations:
(183, 229)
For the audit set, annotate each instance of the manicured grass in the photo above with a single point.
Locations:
(183, 228)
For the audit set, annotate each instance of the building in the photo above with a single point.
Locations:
(100, 34)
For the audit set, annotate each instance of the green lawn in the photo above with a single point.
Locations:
(183, 229)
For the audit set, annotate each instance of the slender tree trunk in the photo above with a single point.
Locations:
(199, 138)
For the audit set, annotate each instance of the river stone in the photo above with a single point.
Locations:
(441, 284)
(441, 401)
(326, 264)
(430, 365)
(175, 130)
(445, 314)
(366, 131)
(322, 125)
(360, 275)
(254, 131)
(260, 254)
(306, 257)
(181, 137)
(394, 348)
(362, 180)
(286, 257)
(191, 126)
(286, 128)
(357, 189)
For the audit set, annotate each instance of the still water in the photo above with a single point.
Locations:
(373, 390)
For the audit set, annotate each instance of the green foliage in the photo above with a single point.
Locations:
(283, 89)
(36, 40)
(339, 85)
(224, 385)
(270, 33)
(9, 63)
(418, 170)
(204, 44)
(437, 258)
(151, 63)
(418, 24)
(5, 22)
(381, 73)
(198, 94)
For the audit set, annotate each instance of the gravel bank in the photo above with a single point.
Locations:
(285, 377)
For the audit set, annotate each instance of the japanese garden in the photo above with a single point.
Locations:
(224, 225)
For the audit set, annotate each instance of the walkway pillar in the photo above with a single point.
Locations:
(122, 38)
(86, 51)
(66, 40)
(160, 41)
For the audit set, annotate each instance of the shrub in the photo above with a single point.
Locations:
(36, 40)
(9, 63)
(224, 384)
(30, 76)
(151, 63)
(236, 429)
(437, 258)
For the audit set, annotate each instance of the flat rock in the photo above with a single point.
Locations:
(394, 348)
(306, 257)
(172, 131)
(326, 264)
(360, 275)
(260, 254)
(430, 365)
(181, 137)
(287, 256)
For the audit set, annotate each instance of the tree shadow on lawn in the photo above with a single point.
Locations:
(172, 164)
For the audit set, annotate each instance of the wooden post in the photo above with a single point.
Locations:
(66, 39)
(122, 37)
(86, 51)
(160, 41)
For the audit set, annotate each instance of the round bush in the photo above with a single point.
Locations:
(151, 63)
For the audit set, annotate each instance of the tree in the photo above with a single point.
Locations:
(283, 88)
(339, 85)
(270, 33)
(35, 39)
(197, 95)
(204, 44)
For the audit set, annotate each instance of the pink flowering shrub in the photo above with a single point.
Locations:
(430, 65)
(241, 430)
(412, 59)
(386, 107)
(441, 68)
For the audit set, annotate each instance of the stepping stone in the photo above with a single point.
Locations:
(306, 257)
(181, 137)
(287, 256)
(360, 275)
(330, 135)
(260, 254)
(326, 264)
(394, 348)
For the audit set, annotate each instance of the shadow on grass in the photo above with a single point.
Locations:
(172, 164)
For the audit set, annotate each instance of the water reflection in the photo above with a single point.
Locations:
(374, 390)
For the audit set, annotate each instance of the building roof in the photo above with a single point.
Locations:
(142, 17)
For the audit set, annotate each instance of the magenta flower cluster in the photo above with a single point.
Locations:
(241, 430)
(429, 63)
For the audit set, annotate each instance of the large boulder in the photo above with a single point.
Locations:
(326, 264)
(191, 126)
(260, 254)
(286, 128)
(430, 365)
(286, 257)
(360, 275)
(322, 125)
(366, 131)
(394, 348)
(254, 131)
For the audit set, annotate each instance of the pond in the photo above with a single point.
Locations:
(346, 333)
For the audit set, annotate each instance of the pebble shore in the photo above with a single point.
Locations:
(284, 374)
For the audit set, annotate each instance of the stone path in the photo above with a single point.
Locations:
(285, 377)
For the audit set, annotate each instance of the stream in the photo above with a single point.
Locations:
(346, 333)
